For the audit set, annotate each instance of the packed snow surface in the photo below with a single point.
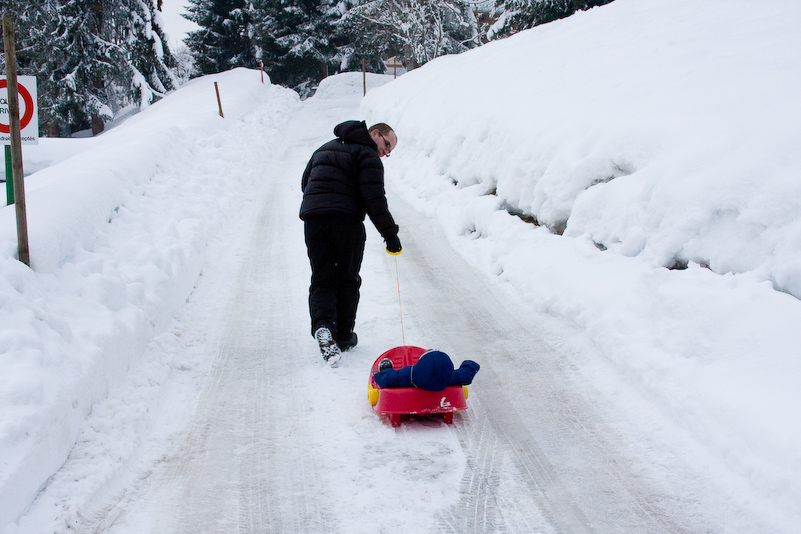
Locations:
(631, 174)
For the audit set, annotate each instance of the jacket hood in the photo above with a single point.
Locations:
(433, 371)
(355, 132)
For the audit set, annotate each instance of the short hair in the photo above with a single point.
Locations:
(383, 129)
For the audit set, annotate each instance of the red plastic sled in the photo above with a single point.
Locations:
(405, 401)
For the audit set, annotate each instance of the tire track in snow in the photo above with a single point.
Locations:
(240, 468)
(280, 484)
(275, 486)
(538, 456)
(250, 457)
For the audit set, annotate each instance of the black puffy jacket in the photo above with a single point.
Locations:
(345, 177)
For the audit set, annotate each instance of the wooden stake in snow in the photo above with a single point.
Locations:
(219, 103)
(16, 141)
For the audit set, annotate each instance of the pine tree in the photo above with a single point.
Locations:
(524, 14)
(27, 17)
(416, 31)
(33, 23)
(91, 58)
(149, 75)
(297, 41)
(185, 64)
(225, 38)
(81, 62)
(360, 38)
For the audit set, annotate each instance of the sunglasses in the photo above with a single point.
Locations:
(386, 143)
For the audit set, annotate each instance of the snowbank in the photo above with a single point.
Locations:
(117, 238)
(660, 129)
(580, 160)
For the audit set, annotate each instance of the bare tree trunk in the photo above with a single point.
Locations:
(411, 60)
(97, 121)
(97, 124)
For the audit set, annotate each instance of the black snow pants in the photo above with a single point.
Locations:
(336, 247)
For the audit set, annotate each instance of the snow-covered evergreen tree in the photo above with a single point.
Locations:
(417, 31)
(361, 39)
(297, 40)
(33, 25)
(524, 14)
(185, 64)
(27, 17)
(80, 61)
(91, 58)
(225, 38)
(149, 75)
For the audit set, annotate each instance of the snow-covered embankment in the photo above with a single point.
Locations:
(117, 239)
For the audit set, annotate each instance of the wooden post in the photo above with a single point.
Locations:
(219, 103)
(16, 141)
(364, 74)
(261, 68)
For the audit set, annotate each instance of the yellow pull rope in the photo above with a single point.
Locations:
(400, 306)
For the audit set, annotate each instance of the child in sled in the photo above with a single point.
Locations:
(433, 372)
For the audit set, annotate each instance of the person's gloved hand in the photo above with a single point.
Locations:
(394, 245)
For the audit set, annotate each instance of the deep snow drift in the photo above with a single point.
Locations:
(649, 133)
(117, 238)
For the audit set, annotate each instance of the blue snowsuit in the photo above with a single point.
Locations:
(433, 372)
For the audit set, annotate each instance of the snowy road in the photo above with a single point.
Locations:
(263, 454)
(640, 368)
(259, 436)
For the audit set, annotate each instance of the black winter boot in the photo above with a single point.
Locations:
(349, 342)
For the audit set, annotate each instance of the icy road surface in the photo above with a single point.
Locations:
(260, 436)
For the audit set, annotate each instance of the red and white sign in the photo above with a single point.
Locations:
(28, 112)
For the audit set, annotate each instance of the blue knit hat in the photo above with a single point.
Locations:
(433, 371)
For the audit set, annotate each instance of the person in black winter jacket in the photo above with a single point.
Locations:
(433, 372)
(343, 182)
